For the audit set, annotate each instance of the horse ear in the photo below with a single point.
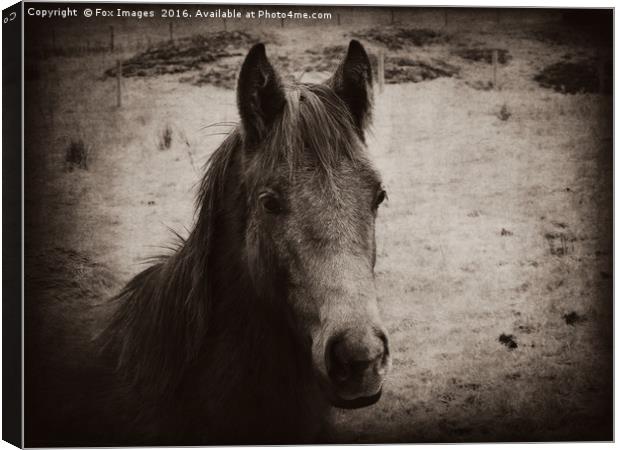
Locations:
(353, 84)
(260, 96)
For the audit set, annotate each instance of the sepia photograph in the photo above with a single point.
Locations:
(315, 224)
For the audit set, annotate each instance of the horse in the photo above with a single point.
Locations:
(266, 315)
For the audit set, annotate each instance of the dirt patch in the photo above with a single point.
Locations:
(186, 54)
(484, 55)
(222, 74)
(508, 340)
(215, 77)
(470, 386)
(480, 85)
(573, 318)
(527, 329)
(504, 113)
(396, 38)
(583, 76)
(403, 70)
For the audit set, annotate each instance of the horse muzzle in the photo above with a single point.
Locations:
(356, 363)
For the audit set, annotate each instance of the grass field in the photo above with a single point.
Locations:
(494, 251)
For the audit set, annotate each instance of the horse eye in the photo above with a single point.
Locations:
(270, 203)
(381, 196)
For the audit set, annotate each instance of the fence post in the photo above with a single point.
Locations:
(338, 18)
(495, 61)
(381, 70)
(171, 26)
(282, 23)
(119, 75)
(445, 17)
(224, 21)
(111, 39)
(391, 16)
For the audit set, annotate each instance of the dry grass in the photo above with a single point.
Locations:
(468, 244)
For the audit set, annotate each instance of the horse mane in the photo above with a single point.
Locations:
(163, 313)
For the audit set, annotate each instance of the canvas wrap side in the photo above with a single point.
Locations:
(12, 288)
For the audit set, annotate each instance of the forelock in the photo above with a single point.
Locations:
(315, 126)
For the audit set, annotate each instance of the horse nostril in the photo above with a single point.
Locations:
(337, 363)
(349, 359)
